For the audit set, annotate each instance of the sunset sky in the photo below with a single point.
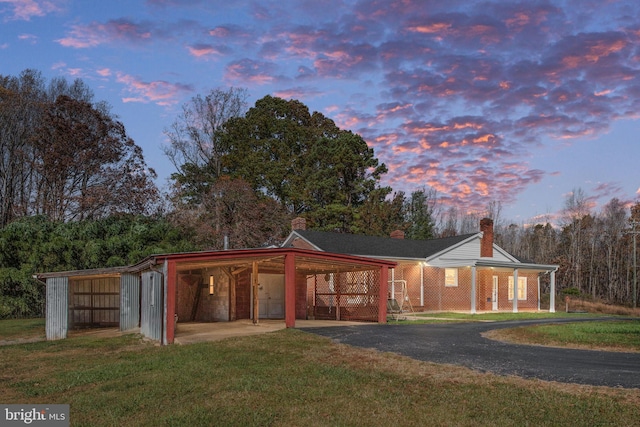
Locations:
(511, 101)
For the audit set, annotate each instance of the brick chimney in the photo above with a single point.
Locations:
(298, 223)
(486, 246)
(397, 234)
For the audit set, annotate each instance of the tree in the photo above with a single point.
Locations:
(232, 211)
(87, 166)
(65, 157)
(574, 213)
(302, 160)
(21, 103)
(194, 137)
(419, 214)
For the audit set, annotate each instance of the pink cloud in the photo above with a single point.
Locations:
(31, 38)
(24, 10)
(104, 72)
(202, 50)
(250, 71)
(159, 92)
(95, 34)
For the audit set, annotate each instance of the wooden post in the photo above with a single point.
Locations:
(232, 293)
(254, 283)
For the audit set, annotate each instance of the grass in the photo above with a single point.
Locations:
(500, 316)
(610, 335)
(12, 329)
(285, 378)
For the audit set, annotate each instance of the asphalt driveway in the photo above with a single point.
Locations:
(463, 344)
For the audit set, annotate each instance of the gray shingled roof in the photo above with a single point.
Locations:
(372, 246)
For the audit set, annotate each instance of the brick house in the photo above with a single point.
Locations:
(462, 273)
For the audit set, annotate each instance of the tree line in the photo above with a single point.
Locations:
(76, 193)
(64, 156)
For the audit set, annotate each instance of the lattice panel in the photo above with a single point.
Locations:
(347, 296)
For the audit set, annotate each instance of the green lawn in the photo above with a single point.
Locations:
(502, 316)
(285, 378)
(12, 329)
(609, 335)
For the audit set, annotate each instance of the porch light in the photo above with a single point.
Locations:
(211, 285)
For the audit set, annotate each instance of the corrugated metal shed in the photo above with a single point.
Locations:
(129, 301)
(57, 313)
(151, 305)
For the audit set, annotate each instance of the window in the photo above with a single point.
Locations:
(451, 277)
(211, 285)
(522, 288)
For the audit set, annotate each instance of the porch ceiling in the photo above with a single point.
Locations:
(304, 265)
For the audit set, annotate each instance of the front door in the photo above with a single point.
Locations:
(271, 296)
(494, 294)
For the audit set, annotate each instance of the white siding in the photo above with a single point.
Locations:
(466, 252)
(499, 256)
(469, 250)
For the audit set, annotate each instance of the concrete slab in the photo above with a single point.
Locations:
(192, 332)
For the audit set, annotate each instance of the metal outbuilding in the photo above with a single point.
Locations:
(217, 286)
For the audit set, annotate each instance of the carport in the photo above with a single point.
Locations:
(224, 286)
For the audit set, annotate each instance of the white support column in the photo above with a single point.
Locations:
(538, 292)
(421, 284)
(473, 289)
(393, 283)
(515, 290)
(552, 292)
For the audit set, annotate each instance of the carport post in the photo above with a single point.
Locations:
(383, 295)
(552, 292)
(170, 280)
(290, 290)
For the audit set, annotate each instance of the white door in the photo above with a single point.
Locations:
(494, 294)
(271, 296)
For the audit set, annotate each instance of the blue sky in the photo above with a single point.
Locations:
(518, 102)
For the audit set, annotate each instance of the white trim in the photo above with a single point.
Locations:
(455, 278)
(512, 289)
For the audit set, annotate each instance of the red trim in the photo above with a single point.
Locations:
(249, 253)
(290, 290)
(171, 300)
(383, 295)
